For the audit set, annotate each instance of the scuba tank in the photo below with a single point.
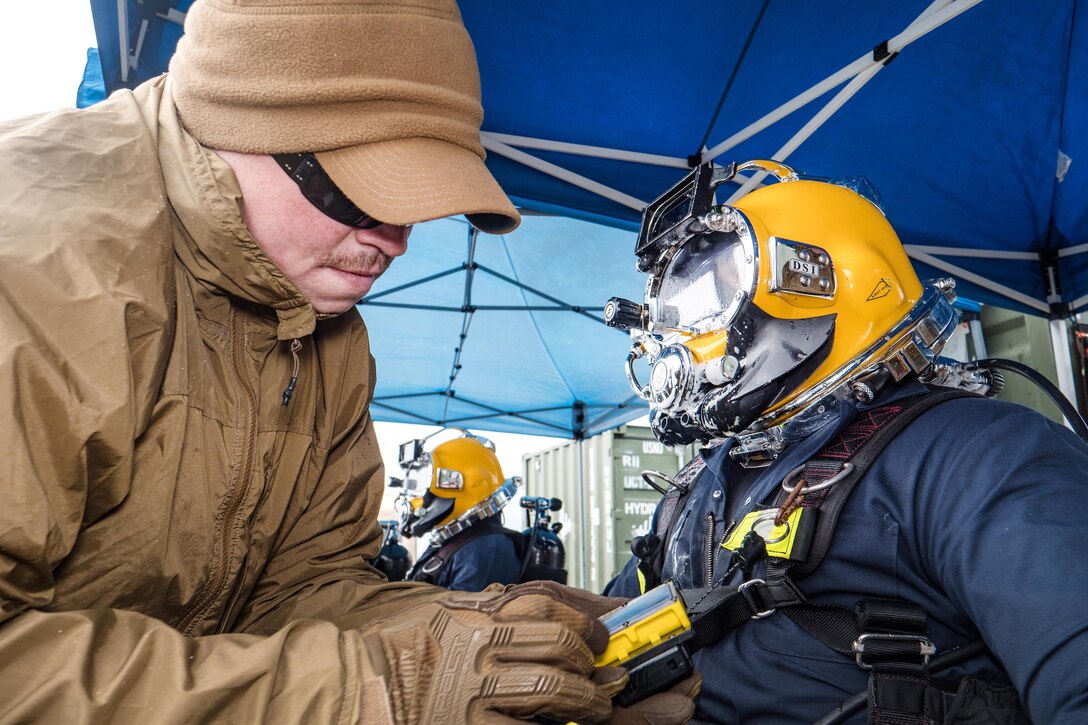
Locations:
(393, 559)
(544, 557)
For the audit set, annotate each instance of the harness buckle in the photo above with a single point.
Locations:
(893, 648)
(750, 598)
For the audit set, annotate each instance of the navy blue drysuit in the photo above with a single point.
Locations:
(978, 512)
(489, 557)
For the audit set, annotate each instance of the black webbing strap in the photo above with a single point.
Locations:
(893, 646)
(721, 610)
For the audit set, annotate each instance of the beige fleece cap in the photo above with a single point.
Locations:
(386, 94)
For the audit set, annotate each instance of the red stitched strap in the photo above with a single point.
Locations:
(830, 461)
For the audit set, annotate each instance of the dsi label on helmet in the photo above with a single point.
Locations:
(796, 265)
(801, 269)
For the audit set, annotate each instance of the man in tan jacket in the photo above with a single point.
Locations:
(188, 468)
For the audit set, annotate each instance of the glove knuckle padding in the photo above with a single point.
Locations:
(542, 643)
(536, 608)
(521, 654)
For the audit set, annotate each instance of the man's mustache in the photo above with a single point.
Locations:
(366, 261)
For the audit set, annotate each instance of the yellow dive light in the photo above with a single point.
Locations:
(647, 637)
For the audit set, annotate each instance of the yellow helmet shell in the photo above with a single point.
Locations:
(479, 472)
(875, 284)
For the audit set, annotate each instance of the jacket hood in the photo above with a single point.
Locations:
(218, 249)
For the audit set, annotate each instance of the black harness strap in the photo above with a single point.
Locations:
(886, 637)
(431, 563)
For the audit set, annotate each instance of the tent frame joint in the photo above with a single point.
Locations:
(1048, 262)
(881, 54)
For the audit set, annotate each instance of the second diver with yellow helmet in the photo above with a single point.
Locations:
(456, 493)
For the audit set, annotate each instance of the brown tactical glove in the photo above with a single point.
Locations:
(674, 706)
(520, 651)
(495, 656)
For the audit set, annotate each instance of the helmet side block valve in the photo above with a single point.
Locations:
(868, 385)
(624, 314)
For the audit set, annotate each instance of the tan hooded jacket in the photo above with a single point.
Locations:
(175, 544)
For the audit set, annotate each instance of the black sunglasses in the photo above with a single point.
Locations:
(322, 192)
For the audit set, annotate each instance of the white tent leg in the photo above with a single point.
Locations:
(583, 519)
(1063, 362)
(122, 36)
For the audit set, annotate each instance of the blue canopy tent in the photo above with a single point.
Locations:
(483, 331)
(968, 115)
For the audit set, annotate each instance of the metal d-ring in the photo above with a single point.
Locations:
(752, 582)
(770, 516)
(787, 482)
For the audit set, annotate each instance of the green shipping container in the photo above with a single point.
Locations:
(605, 501)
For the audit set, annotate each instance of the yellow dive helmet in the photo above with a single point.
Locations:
(451, 487)
(755, 312)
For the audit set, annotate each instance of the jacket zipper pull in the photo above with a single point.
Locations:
(296, 345)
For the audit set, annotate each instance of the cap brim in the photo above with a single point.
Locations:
(413, 180)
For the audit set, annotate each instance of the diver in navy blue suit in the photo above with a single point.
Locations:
(456, 493)
(867, 532)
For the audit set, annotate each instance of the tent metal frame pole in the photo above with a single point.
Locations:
(1078, 303)
(466, 322)
(810, 128)
(410, 414)
(577, 149)
(612, 409)
(583, 537)
(527, 288)
(403, 396)
(563, 174)
(174, 15)
(493, 412)
(487, 308)
(122, 32)
(496, 413)
(504, 414)
(1063, 362)
(980, 281)
(411, 306)
(408, 285)
(933, 17)
(974, 253)
(1073, 251)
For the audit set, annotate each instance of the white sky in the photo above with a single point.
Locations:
(43, 50)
